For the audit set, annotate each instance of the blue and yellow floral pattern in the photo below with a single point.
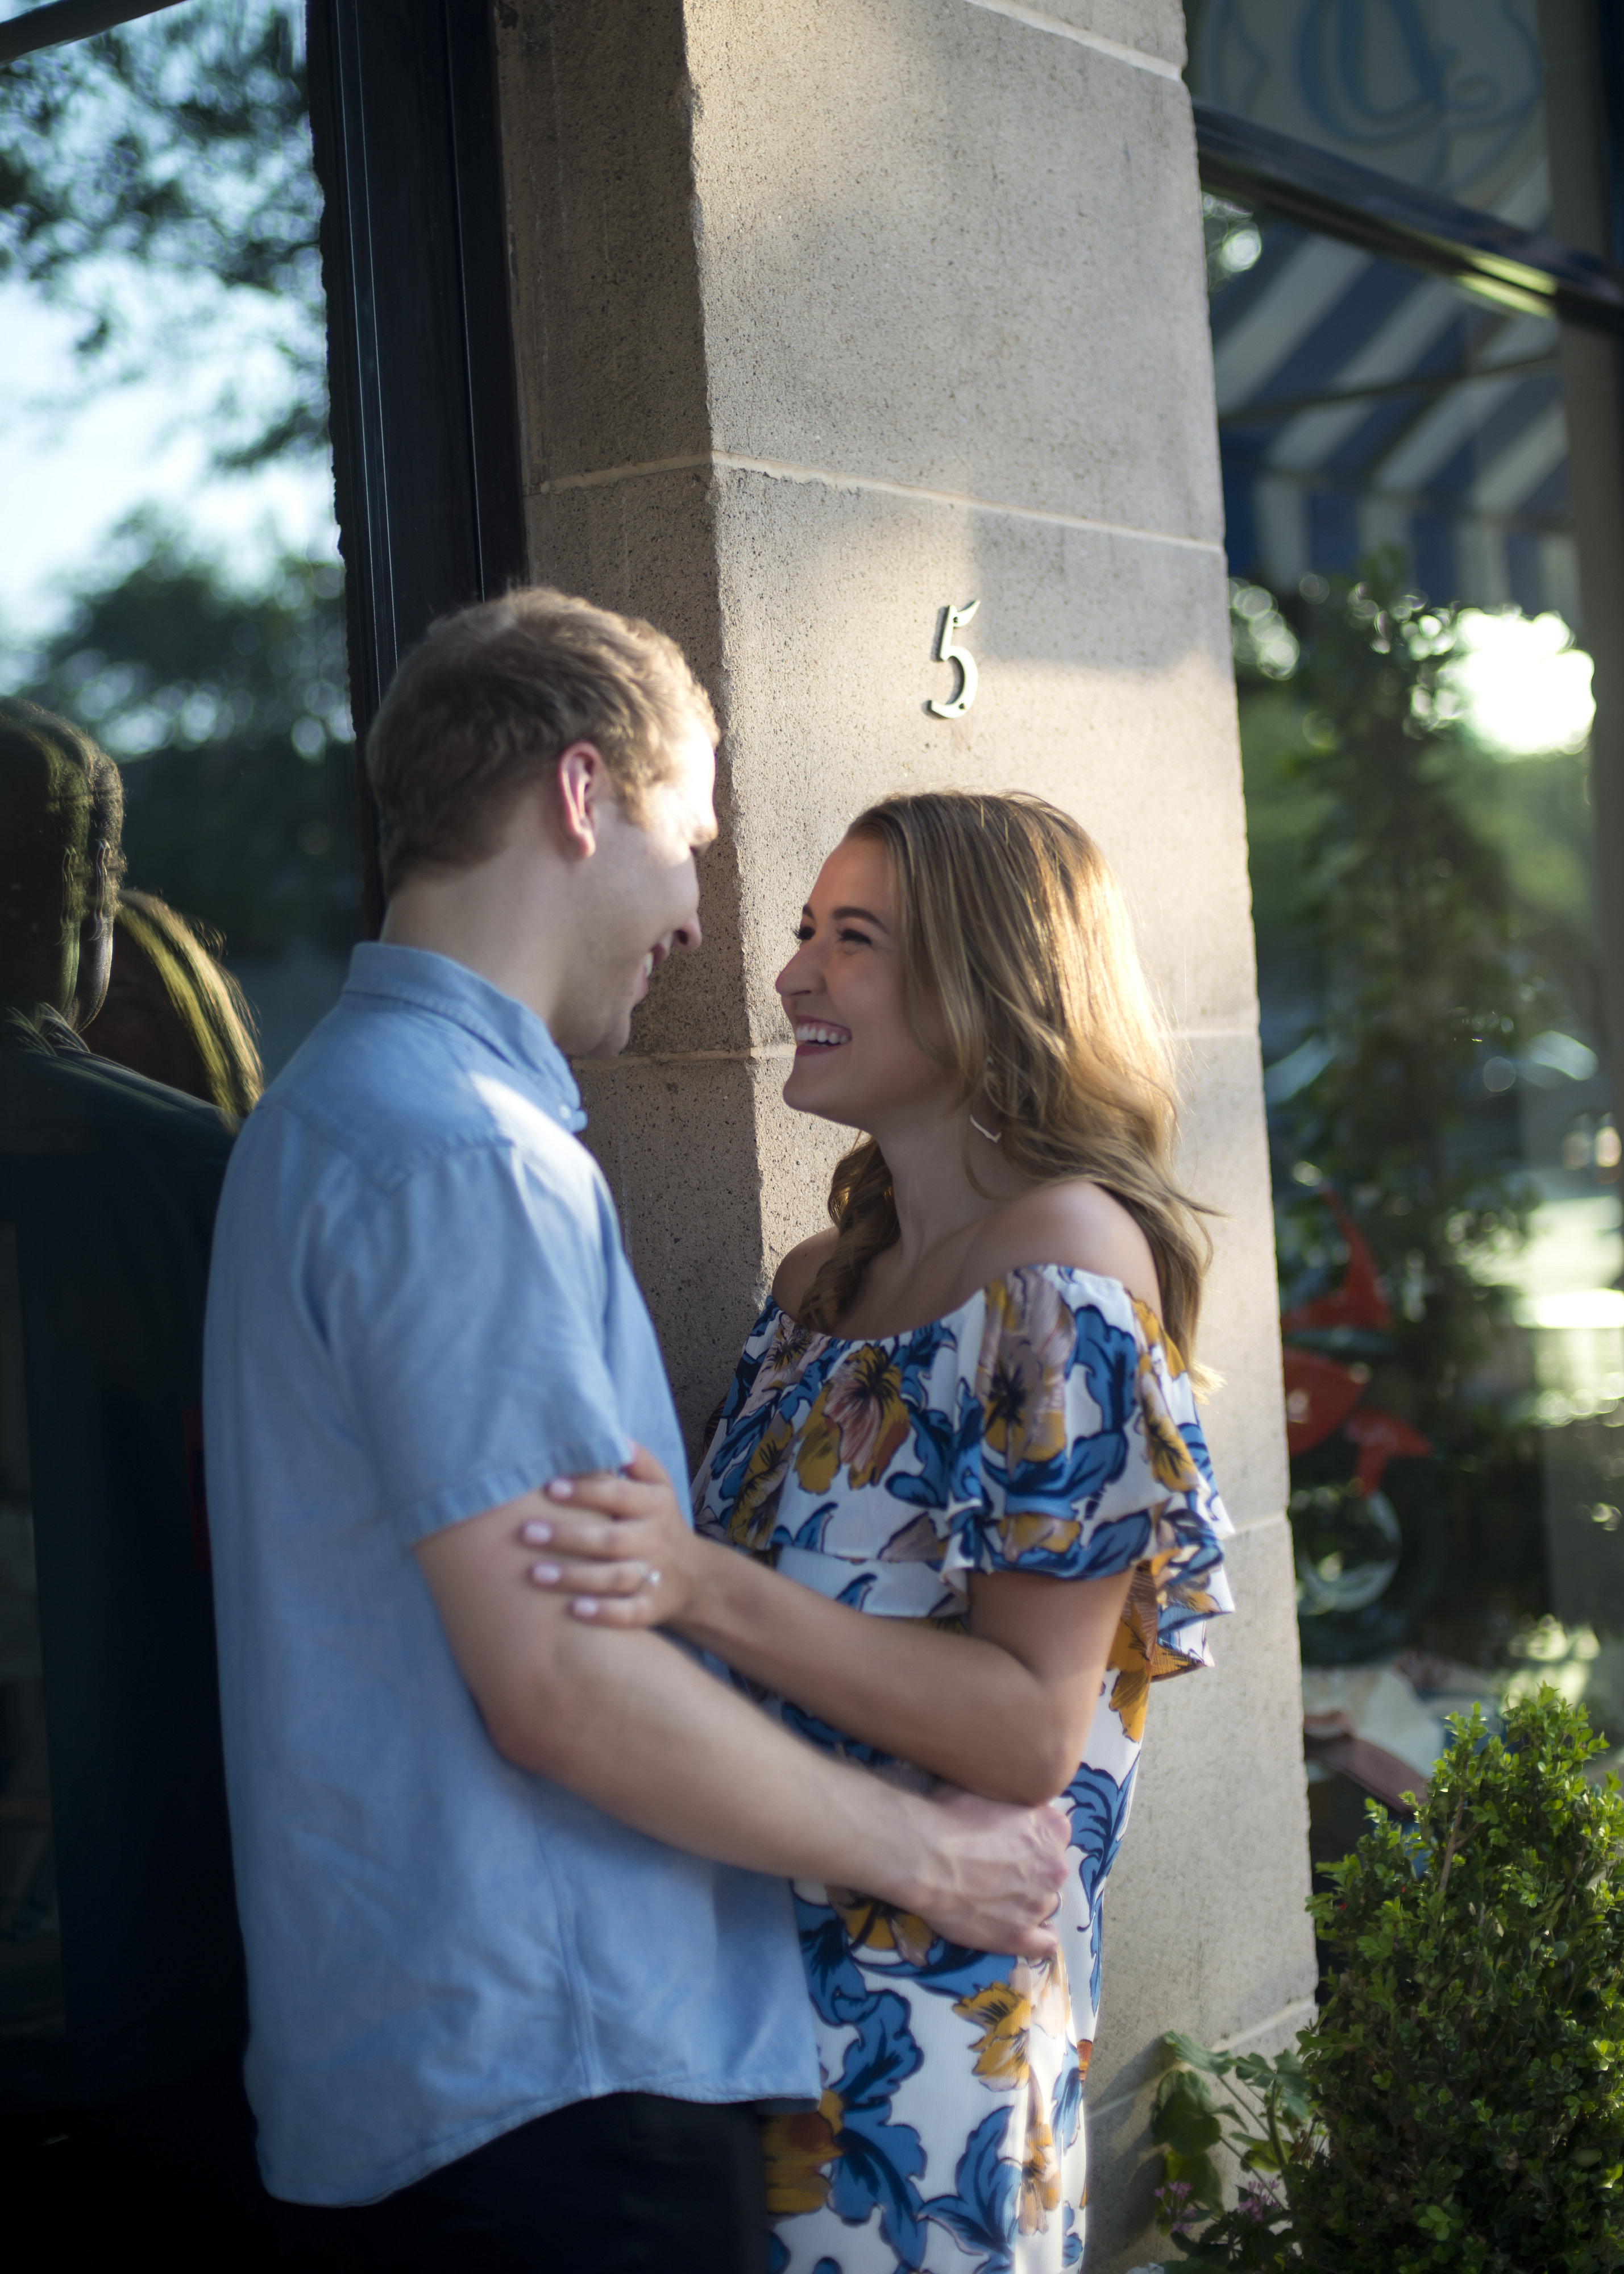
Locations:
(1047, 1425)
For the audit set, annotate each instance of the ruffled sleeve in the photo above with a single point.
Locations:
(1092, 1460)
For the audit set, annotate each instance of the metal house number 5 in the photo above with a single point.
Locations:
(954, 619)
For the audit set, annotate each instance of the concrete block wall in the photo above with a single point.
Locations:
(832, 312)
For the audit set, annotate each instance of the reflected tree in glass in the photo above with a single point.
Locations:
(1387, 846)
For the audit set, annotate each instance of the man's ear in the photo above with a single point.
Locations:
(583, 784)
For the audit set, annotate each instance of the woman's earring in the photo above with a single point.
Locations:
(993, 1136)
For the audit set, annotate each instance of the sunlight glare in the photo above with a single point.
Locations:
(1523, 687)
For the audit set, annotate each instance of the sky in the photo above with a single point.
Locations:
(76, 459)
(73, 465)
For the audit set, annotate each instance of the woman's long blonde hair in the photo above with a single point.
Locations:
(1019, 959)
(206, 998)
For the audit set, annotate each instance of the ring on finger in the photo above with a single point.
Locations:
(650, 1578)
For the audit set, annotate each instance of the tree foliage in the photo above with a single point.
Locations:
(158, 178)
(1404, 920)
(227, 709)
(1420, 942)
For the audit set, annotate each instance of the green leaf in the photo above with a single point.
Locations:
(1197, 2055)
(1187, 2128)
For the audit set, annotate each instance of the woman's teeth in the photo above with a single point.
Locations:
(648, 965)
(809, 1030)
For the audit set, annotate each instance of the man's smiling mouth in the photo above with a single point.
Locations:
(817, 1035)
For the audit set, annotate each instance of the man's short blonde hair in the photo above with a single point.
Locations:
(492, 697)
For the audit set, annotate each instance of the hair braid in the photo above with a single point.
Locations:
(863, 1211)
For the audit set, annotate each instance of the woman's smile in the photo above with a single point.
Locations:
(813, 1035)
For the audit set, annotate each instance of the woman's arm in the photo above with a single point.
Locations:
(1003, 1710)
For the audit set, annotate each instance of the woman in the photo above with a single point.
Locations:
(961, 1458)
(173, 1013)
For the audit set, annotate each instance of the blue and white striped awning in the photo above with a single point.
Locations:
(1469, 475)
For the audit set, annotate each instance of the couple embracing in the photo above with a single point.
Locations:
(635, 1881)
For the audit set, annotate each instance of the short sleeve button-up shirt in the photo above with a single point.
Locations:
(419, 1308)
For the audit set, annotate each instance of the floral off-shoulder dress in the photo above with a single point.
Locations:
(1047, 1425)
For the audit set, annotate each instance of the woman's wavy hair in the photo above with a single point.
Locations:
(206, 998)
(1018, 963)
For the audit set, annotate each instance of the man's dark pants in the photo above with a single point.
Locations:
(631, 2181)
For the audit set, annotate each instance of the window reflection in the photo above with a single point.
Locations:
(227, 709)
(172, 582)
(170, 585)
(1448, 95)
(1417, 720)
(31, 2003)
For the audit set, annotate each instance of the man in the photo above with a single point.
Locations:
(127, 2035)
(521, 1961)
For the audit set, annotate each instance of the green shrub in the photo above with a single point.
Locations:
(1460, 2100)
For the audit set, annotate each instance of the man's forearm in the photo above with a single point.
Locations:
(628, 1720)
(634, 1725)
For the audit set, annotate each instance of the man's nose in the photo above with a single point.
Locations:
(688, 934)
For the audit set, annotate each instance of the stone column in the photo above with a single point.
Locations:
(830, 314)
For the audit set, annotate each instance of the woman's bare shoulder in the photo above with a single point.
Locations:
(798, 1269)
(1076, 1223)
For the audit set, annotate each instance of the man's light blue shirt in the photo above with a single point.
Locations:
(420, 1308)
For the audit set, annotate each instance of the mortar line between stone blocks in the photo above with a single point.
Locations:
(787, 1050)
(1117, 50)
(1303, 2004)
(777, 469)
(684, 1057)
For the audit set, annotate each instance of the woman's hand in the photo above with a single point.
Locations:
(620, 1545)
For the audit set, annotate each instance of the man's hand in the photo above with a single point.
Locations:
(619, 1546)
(991, 1875)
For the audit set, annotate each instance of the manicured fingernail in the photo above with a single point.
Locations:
(538, 1534)
(545, 1574)
(585, 1607)
(561, 1488)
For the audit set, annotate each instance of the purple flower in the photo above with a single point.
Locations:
(1259, 2198)
(1173, 2201)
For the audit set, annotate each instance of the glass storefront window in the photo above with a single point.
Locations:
(171, 580)
(1446, 95)
(171, 584)
(1418, 719)
(31, 2019)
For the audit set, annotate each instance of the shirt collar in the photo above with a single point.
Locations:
(451, 991)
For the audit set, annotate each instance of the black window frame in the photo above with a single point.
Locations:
(427, 470)
(63, 20)
(1528, 270)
